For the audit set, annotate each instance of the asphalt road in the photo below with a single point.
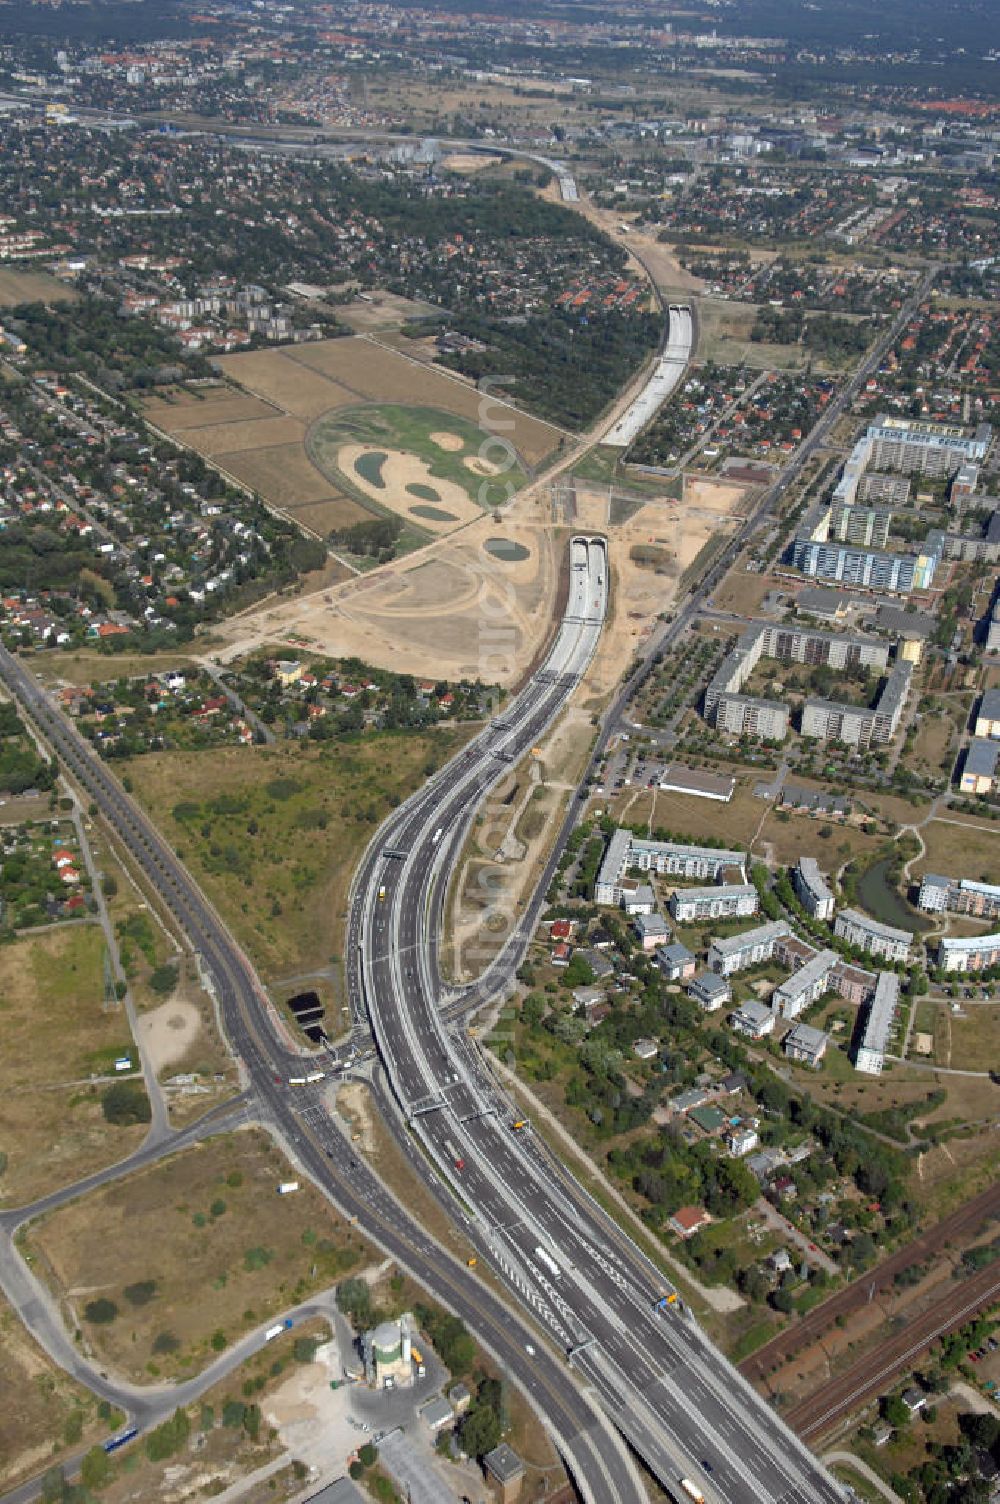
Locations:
(592, 1451)
(680, 1404)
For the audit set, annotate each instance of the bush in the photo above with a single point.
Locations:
(368, 1455)
(163, 980)
(125, 1103)
(305, 1349)
(234, 1414)
(166, 1342)
(95, 1470)
(100, 1312)
(141, 1293)
(168, 1438)
(218, 1208)
(257, 1258)
(73, 1427)
(218, 1341)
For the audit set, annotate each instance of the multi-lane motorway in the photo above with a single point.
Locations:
(588, 1444)
(682, 1407)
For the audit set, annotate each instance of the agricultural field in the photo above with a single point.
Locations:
(274, 833)
(44, 1413)
(280, 426)
(32, 287)
(58, 1037)
(126, 1261)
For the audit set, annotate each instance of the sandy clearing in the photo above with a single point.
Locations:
(466, 162)
(168, 1032)
(399, 470)
(450, 442)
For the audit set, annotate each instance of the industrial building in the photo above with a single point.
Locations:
(811, 887)
(959, 896)
(873, 1040)
(626, 850)
(870, 935)
(387, 1352)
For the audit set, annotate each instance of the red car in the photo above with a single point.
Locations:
(460, 1164)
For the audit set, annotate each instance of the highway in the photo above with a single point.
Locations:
(679, 1403)
(593, 1453)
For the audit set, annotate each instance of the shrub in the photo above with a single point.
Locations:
(73, 1427)
(218, 1340)
(125, 1103)
(141, 1293)
(305, 1349)
(218, 1208)
(166, 1342)
(168, 1438)
(100, 1312)
(163, 980)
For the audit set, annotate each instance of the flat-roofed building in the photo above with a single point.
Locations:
(959, 895)
(676, 779)
(626, 850)
(812, 888)
(873, 1039)
(730, 901)
(871, 935)
(861, 725)
(806, 1044)
(968, 952)
(979, 768)
(732, 953)
(804, 986)
(744, 715)
(988, 715)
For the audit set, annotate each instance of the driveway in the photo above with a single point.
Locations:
(787, 1230)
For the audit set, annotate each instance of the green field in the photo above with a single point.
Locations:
(405, 429)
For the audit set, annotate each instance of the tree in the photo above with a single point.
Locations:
(125, 1103)
(100, 1312)
(894, 1411)
(95, 1470)
(480, 1430)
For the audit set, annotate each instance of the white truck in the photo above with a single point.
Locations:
(287, 1187)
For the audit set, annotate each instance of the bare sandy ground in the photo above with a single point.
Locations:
(400, 470)
(450, 442)
(168, 1032)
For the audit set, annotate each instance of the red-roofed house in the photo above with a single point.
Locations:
(687, 1220)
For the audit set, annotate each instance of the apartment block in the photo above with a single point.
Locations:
(868, 934)
(806, 1045)
(861, 725)
(736, 952)
(968, 953)
(811, 887)
(873, 1039)
(958, 896)
(804, 986)
(730, 901)
(988, 716)
(626, 850)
